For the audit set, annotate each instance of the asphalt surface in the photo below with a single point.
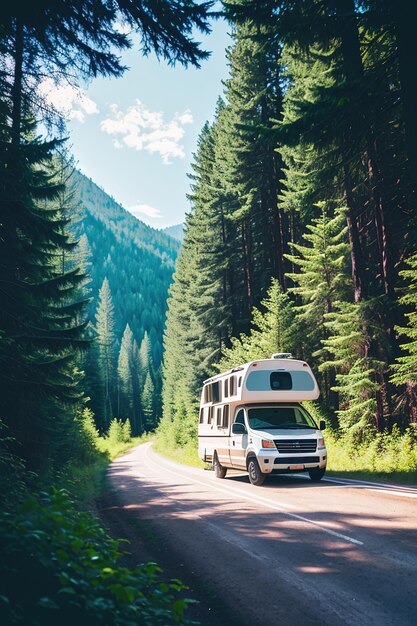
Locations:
(290, 552)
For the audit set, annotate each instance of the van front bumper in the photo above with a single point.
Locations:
(290, 463)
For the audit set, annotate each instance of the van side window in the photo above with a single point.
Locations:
(210, 415)
(207, 394)
(215, 388)
(233, 385)
(226, 388)
(201, 416)
(219, 416)
(240, 417)
(226, 416)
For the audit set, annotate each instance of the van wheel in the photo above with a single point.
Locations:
(219, 470)
(256, 477)
(317, 474)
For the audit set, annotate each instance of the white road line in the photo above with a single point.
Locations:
(393, 490)
(394, 493)
(282, 508)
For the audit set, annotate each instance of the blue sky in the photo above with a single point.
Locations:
(134, 136)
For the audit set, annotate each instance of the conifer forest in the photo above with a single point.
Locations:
(300, 237)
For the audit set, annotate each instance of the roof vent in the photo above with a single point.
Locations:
(282, 355)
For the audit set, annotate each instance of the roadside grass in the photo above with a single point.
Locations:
(113, 449)
(400, 478)
(387, 457)
(186, 456)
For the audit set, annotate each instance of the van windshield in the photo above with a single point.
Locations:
(261, 418)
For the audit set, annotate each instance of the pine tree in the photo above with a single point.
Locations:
(358, 375)
(145, 359)
(39, 310)
(273, 329)
(106, 356)
(129, 372)
(125, 397)
(147, 401)
(405, 369)
(321, 280)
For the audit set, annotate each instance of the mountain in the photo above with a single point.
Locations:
(137, 260)
(176, 231)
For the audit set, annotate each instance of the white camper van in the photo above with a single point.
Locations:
(251, 419)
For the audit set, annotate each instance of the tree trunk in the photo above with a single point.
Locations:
(17, 84)
(407, 54)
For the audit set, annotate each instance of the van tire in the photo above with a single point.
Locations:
(219, 470)
(316, 473)
(256, 477)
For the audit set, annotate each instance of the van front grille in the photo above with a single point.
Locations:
(296, 445)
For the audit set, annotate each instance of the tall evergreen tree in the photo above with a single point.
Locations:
(273, 329)
(148, 402)
(405, 369)
(358, 378)
(128, 382)
(106, 356)
(39, 310)
(321, 280)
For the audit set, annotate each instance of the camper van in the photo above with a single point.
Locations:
(251, 418)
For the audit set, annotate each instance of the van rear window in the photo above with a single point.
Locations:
(280, 380)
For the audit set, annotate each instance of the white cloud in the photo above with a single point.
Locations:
(142, 129)
(145, 209)
(70, 102)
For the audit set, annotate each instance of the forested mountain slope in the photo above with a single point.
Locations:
(176, 231)
(137, 260)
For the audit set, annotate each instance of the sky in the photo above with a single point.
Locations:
(134, 136)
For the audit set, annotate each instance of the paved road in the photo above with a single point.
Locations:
(291, 552)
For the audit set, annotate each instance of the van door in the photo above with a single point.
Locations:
(238, 443)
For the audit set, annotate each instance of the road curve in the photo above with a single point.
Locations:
(291, 552)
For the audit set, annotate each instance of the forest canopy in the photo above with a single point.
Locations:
(302, 231)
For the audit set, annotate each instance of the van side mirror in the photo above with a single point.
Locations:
(322, 425)
(239, 429)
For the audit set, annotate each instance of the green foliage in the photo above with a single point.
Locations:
(118, 432)
(13, 473)
(322, 276)
(42, 318)
(70, 572)
(347, 345)
(273, 329)
(405, 369)
(379, 453)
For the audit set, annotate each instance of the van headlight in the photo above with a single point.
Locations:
(267, 443)
(320, 442)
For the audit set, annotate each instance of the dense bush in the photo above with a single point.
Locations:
(382, 453)
(119, 431)
(58, 566)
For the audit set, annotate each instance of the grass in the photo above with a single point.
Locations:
(401, 478)
(186, 456)
(385, 458)
(113, 449)
(87, 480)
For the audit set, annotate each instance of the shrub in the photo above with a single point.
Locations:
(13, 473)
(59, 566)
(119, 432)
